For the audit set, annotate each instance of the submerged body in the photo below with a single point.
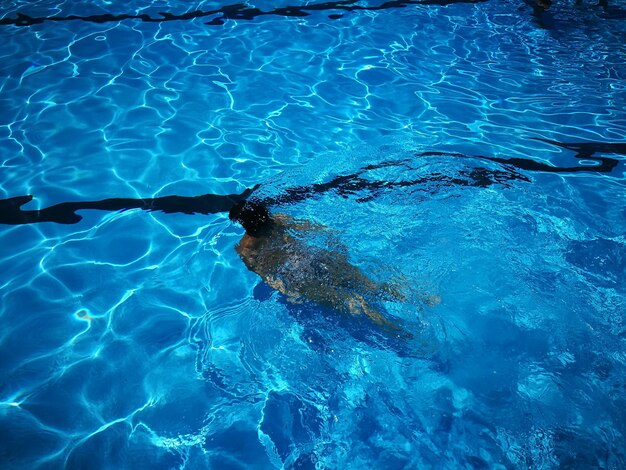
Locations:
(303, 272)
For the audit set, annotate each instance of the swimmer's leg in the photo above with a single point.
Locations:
(393, 292)
(358, 304)
(431, 300)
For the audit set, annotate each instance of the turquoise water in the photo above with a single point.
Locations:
(472, 151)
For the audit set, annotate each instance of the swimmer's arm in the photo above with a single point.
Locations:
(276, 284)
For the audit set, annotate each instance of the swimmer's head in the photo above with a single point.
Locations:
(253, 216)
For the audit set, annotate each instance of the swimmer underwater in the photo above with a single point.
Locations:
(273, 248)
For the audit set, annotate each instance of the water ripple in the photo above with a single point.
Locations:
(468, 150)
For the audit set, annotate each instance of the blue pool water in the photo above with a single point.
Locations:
(472, 151)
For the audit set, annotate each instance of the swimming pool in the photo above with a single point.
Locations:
(468, 150)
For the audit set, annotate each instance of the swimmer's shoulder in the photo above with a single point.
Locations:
(246, 243)
(249, 243)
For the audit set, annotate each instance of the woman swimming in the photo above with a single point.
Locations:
(273, 247)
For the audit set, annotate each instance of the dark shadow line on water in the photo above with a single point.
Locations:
(544, 18)
(583, 151)
(349, 185)
(237, 11)
(11, 212)
(588, 149)
(241, 11)
(354, 184)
